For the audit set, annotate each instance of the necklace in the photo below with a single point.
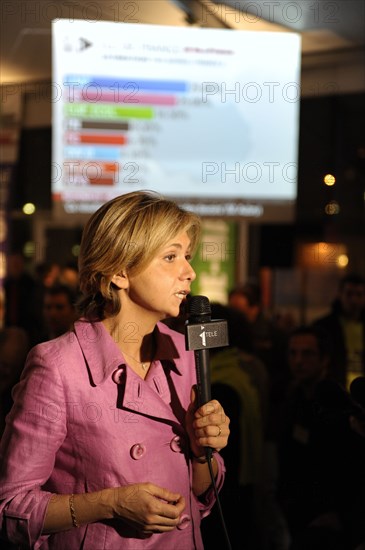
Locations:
(144, 364)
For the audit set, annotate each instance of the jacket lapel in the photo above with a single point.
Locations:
(103, 357)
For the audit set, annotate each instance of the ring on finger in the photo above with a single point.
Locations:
(220, 431)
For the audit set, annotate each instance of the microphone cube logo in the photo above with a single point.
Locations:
(213, 334)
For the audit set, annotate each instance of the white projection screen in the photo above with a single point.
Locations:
(208, 117)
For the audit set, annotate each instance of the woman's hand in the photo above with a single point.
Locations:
(147, 508)
(207, 426)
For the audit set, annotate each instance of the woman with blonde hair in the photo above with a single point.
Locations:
(105, 445)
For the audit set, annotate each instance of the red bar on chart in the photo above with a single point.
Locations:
(102, 181)
(102, 139)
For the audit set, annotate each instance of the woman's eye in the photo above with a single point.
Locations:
(188, 258)
(170, 257)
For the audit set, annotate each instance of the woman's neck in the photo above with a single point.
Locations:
(137, 343)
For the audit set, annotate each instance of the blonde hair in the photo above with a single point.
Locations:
(124, 235)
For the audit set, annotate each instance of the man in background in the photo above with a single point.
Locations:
(321, 481)
(346, 326)
(269, 345)
(58, 311)
(20, 298)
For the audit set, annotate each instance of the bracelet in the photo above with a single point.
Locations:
(72, 510)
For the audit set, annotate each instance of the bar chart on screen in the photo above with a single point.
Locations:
(176, 110)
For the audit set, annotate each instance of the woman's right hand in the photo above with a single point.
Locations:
(146, 507)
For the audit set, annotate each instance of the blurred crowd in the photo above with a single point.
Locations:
(296, 399)
(295, 396)
(34, 308)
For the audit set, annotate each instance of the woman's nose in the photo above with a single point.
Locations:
(189, 272)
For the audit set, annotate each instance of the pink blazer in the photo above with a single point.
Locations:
(83, 421)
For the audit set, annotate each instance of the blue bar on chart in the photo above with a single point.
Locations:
(123, 83)
(92, 153)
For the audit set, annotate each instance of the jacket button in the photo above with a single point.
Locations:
(117, 376)
(137, 451)
(176, 444)
(184, 521)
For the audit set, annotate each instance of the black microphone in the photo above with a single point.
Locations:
(201, 334)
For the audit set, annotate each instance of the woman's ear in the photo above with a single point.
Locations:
(121, 280)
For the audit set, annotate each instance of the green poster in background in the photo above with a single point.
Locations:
(215, 260)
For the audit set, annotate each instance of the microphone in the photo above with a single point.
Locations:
(201, 334)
